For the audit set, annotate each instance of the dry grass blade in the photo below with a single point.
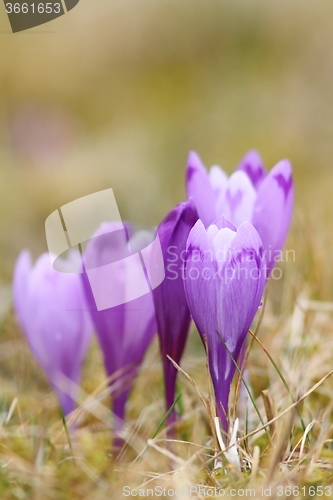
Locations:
(255, 464)
(245, 385)
(279, 373)
(208, 404)
(280, 447)
(202, 399)
(269, 409)
(291, 407)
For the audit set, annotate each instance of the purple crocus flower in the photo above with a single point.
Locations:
(172, 313)
(265, 200)
(52, 313)
(224, 281)
(125, 330)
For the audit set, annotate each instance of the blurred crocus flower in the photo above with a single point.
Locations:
(250, 194)
(172, 313)
(125, 330)
(52, 313)
(224, 281)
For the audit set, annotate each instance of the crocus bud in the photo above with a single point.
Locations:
(224, 280)
(52, 312)
(125, 330)
(172, 313)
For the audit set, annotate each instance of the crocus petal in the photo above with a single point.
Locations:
(273, 210)
(253, 166)
(52, 311)
(223, 291)
(199, 189)
(173, 316)
(238, 200)
(218, 180)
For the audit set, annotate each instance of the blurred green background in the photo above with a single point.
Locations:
(115, 94)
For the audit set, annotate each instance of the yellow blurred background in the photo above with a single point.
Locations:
(115, 94)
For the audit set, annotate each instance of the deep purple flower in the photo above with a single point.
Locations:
(172, 313)
(224, 281)
(265, 200)
(125, 330)
(52, 312)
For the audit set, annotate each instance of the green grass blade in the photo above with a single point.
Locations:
(63, 418)
(180, 407)
(160, 425)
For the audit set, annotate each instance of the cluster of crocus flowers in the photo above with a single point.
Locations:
(221, 305)
(57, 312)
(219, 247)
